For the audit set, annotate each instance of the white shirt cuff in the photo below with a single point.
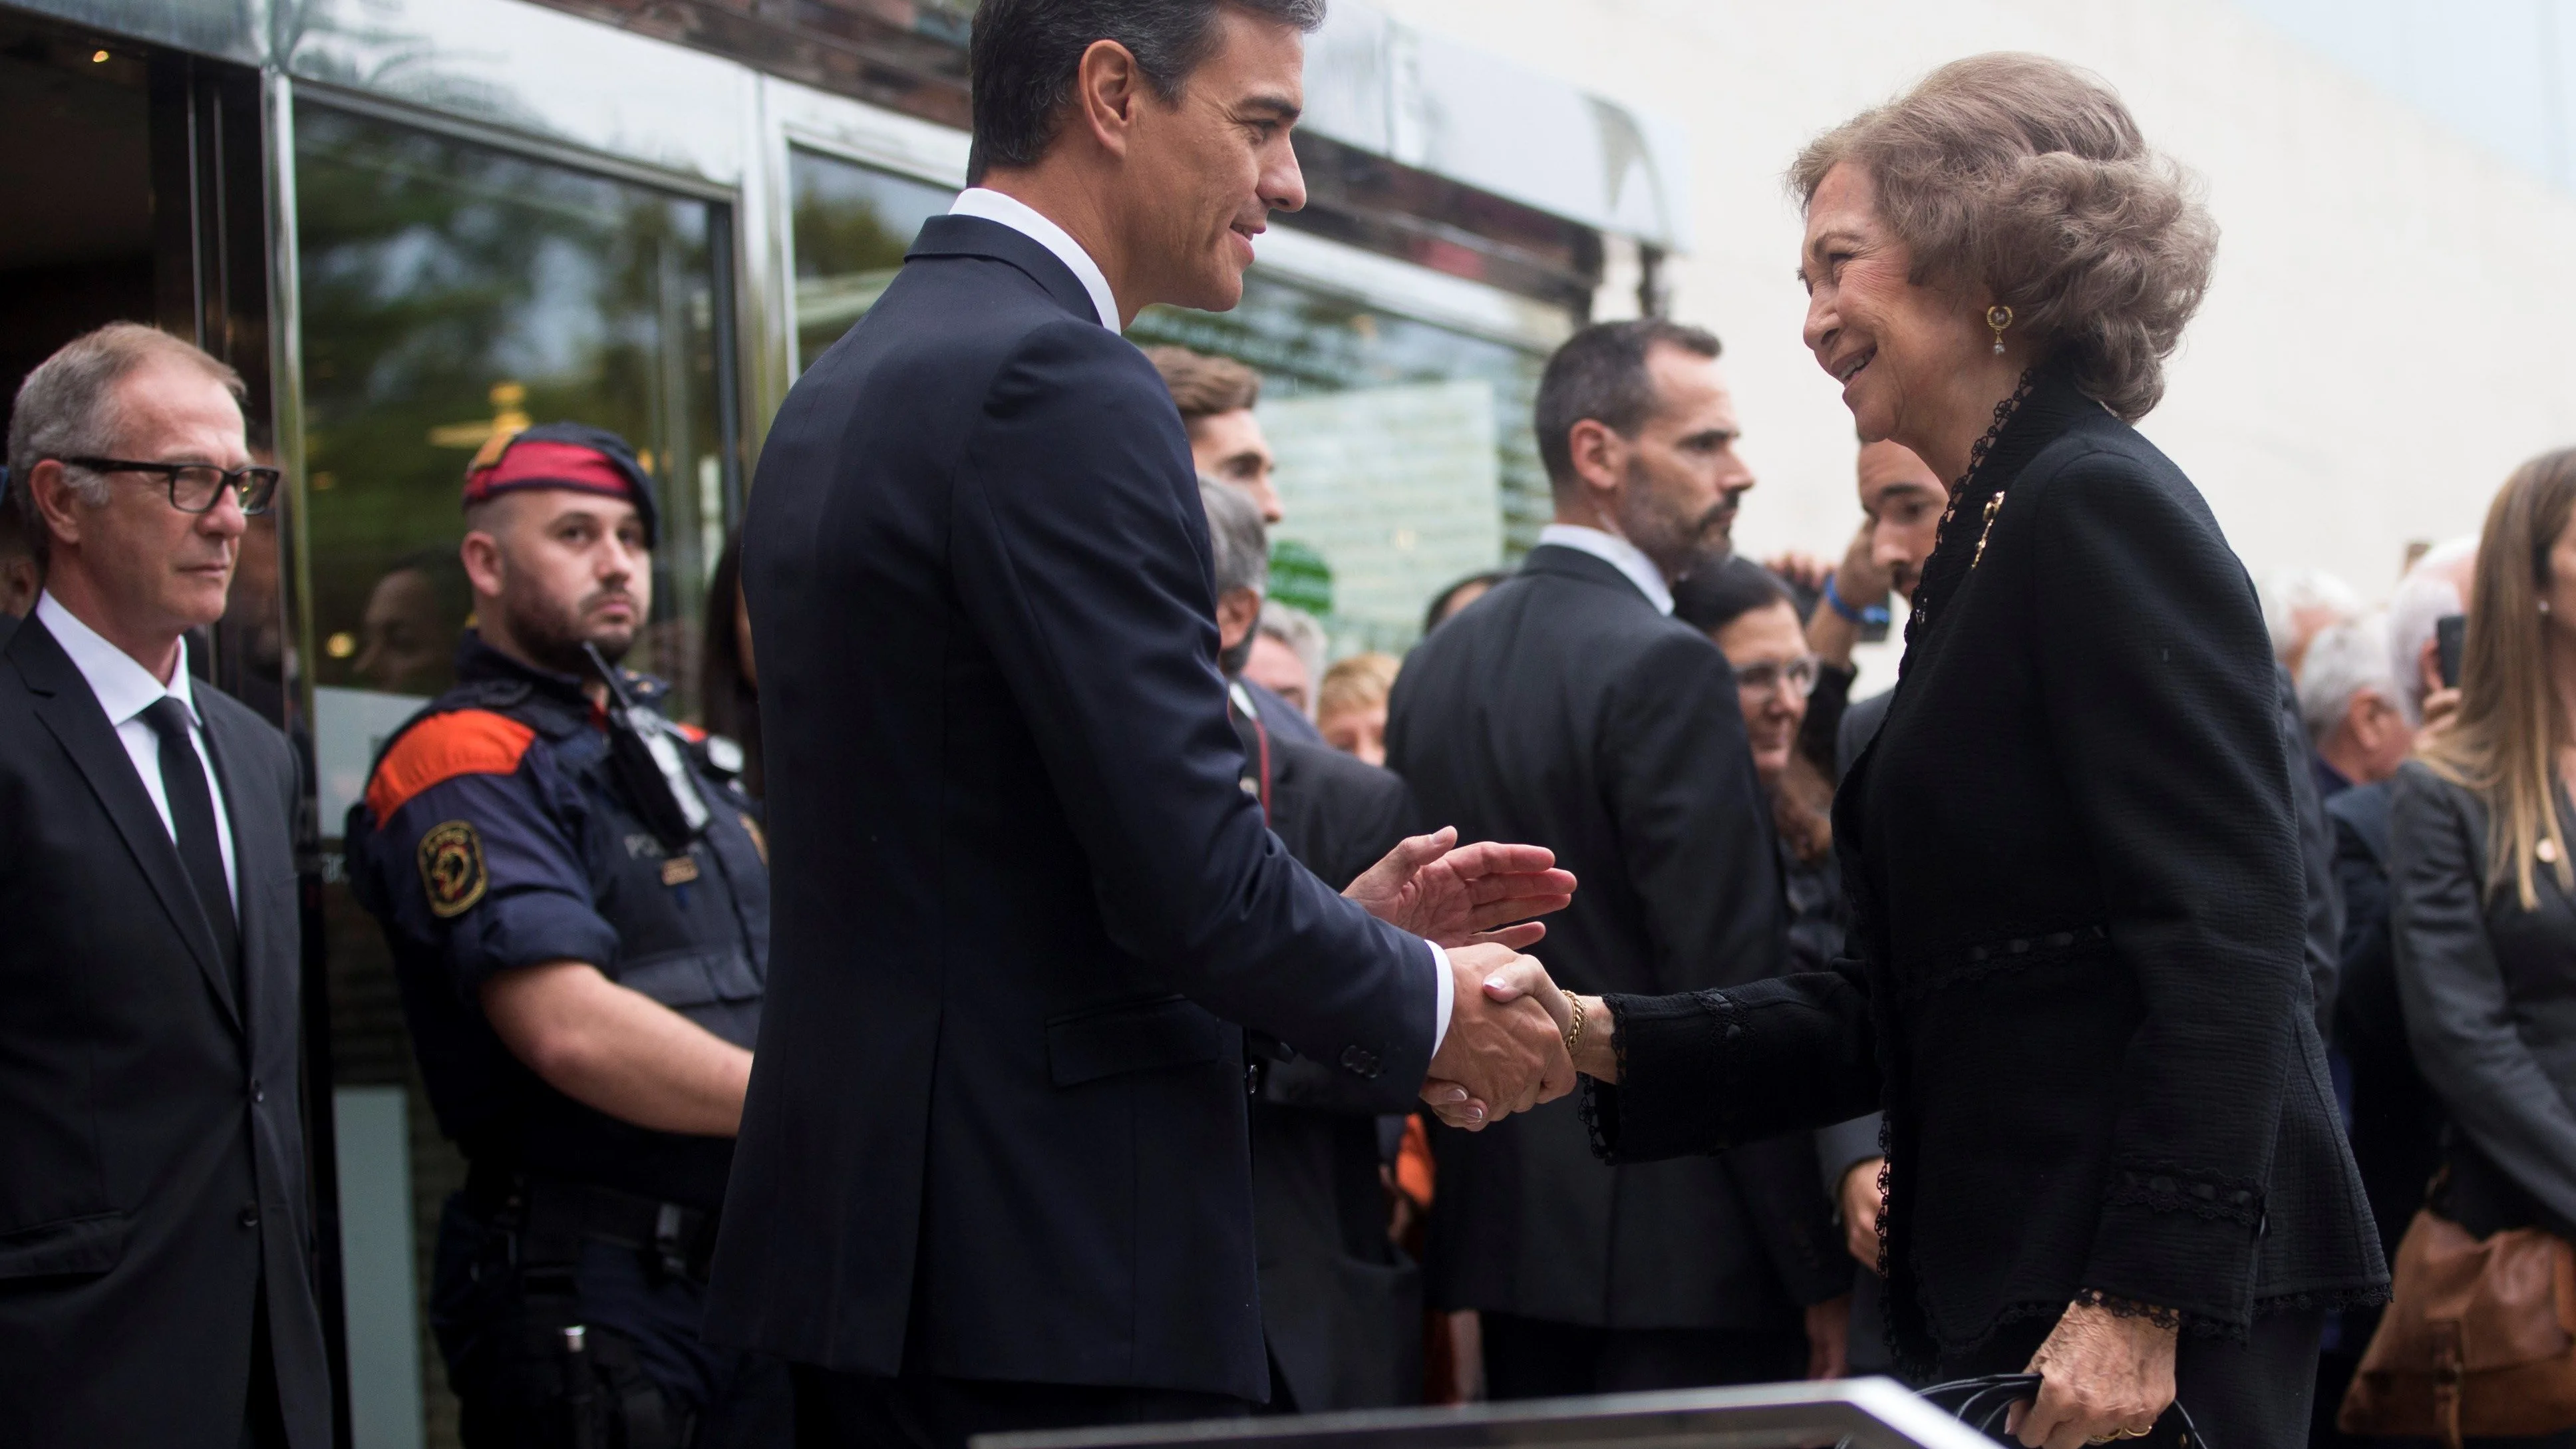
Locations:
(1448, 1000)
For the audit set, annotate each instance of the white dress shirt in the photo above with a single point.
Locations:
(125, 690)
(1619, 554)
(1025, 219)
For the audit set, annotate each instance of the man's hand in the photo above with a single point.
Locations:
(1862, 1203)
(1499, 1057)
(1457, 897)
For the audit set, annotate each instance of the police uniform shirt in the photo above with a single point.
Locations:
(494, 836)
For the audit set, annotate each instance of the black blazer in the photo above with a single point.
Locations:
(2489, 992)
(1341, 1308)
(996, 1119)
(2079, 902)
(151, 1128)
(1563, 710)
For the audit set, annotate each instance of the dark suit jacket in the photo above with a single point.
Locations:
(1562, 710)
(996, 1119)
(1340, 1307)
(151, 1139)
(2079, 904)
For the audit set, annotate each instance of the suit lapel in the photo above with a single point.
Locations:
(64, 702)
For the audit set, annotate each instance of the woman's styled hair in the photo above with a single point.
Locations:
(2504, 742)
(2027, 177)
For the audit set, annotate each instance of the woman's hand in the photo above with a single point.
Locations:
(2103, 1377)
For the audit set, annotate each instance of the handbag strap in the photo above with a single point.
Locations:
(1982, 1404)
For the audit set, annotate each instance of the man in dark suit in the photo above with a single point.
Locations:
(1341, 1308)
(1568, 707)
(992, 1169)
(155, 1238)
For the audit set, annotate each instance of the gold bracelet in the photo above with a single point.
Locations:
(1574, 1028)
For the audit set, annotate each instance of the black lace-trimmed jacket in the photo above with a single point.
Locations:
(2076, 987)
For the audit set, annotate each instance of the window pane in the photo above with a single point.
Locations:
(1405, 455)
(852, 227)
(450, 290)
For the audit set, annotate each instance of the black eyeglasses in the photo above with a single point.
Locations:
(194, 487)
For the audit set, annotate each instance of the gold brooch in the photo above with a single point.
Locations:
(1994, 506)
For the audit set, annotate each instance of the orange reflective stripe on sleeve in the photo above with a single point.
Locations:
(438, 749)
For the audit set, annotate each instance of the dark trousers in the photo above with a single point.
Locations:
(2250, 1395)
(925, 1411)
(1534, 1358)
(499, 1321)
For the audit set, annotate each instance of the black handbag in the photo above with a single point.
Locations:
(1983, 1403)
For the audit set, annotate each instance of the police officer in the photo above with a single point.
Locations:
(577, 899)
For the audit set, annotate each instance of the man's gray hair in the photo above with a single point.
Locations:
(2430, 592)
(2292, 592)
(1298, 630)
(68, 408)
(2342, 661)
(1236, 536)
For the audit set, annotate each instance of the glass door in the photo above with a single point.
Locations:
(448, 290)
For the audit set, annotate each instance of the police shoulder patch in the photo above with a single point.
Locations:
(451, 868)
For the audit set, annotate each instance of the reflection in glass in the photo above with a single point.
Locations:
(1405, 454)
(449, 291)
(852, 227)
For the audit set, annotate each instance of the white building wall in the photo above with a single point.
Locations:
(2393, 322)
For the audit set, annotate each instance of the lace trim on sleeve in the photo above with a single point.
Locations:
(2168, 1319)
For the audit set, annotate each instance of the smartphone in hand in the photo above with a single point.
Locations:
(2450, 636)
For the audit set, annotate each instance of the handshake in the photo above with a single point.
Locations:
(1505, 1049)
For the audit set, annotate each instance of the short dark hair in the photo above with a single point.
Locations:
(1024, 54)
(1719, 591)
(1203, 386)
(1600, 373)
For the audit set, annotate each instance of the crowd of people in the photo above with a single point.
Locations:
(1073, 998)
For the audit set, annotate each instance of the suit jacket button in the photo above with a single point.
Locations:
(249, 1216)
(258, 1093)
(1360, 1062)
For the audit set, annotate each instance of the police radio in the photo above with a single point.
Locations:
(646, 750)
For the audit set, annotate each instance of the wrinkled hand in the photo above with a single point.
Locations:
(2101, 1375)
(1829, 1338)
(1501, 1055)
(1861, 1204)
(1458, 897)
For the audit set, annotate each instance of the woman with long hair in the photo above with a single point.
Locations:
(2482, 881)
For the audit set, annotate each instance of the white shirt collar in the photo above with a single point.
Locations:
(1025, 219)
(124, 688)
(1617, 552)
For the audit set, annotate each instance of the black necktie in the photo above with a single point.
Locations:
(192, 812)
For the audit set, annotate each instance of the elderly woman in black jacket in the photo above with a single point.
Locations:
(2077, 987)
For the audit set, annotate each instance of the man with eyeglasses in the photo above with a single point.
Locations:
(154, 1237)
